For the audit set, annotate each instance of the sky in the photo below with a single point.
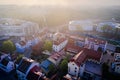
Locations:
(62, 2)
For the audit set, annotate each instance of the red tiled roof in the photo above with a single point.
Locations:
(60, 40)
(73, 48)
(86, 54)
(97, 41)
(57, 55)
(81, 38)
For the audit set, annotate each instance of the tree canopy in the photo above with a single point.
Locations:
(63, 68)
(8, 46)
(47, 45)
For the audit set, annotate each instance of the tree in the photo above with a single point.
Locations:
(8, 46)
(51, 67)
(106, 28)
(63, 65)
(19, 58)
(47, 45)
(63, 68)
(52, 70)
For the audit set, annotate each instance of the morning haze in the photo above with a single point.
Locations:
(60, 11)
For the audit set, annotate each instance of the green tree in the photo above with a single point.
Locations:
(8, 46)
(63, 68)
(51, 67)
(63, 65)
(52, 70)
(47, 45)
(106, 28)
(19, 58)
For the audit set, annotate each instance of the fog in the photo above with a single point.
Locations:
(73, 3)
(59, 12)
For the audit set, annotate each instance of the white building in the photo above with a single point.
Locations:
(117, 56)
(59, 42)
(59, 45)
(84, 25)
(95, 44)
(16, 27)
(117, 68)
(76, 65)
(116, 63)
(24, 67)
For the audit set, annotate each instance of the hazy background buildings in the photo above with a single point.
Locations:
(53, 13)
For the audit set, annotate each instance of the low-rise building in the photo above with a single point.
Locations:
(35, 74)
(59, 42)
(110, 27)
(56, 57)
(117, 57)
(6, 64)
(45, 66)
(77, 40)
(95, 44)
(116, 67)
(85, 25)
(92, 70)
(73, 49)
(16, 27)
(24, 67)
(116, 64)
(76, 64)
(111, 47)
(29, 42)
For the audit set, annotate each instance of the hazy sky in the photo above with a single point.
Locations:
(63, 2)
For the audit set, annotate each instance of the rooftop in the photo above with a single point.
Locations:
(86, 54)
(34, 74)
(45, 65)
(57, 55)
(73, 48)
(98, 41)
(59, 41)
(5, 61)
(24, 65)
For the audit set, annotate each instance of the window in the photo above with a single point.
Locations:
(75, 71)
(75, 67)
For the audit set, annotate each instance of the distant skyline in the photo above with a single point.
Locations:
(97, 3)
